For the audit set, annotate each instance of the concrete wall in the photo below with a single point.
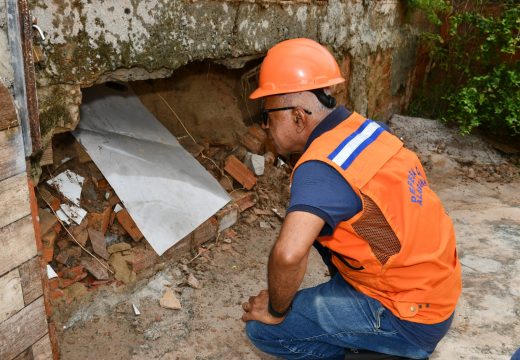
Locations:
(94, 41)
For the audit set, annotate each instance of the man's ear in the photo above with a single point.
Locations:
(299, 119)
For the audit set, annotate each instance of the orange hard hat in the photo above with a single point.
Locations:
(297, 65)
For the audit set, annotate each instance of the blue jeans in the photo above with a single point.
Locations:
(326, 320)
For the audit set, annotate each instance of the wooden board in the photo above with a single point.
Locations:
(22, 330)
(14, 197)
(30, 274)
(12, 158)
(8, 118)
(18, 244)
(11, 298)
(42, 350)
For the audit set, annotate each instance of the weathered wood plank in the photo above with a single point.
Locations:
(14, 197)
(22, 330)
(11, 298)
(30, 274)
(8, 118)
(12, 158)
(42, 350)
(18, 244)
(26, 355)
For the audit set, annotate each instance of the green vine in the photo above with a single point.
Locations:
(478, 64)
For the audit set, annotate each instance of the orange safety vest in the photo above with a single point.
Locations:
(400, 248)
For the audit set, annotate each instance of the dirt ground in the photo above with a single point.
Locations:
(480, 189)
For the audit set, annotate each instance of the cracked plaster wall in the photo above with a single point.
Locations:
(93, 41)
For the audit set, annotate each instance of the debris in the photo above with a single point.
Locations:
(269, 157)
(97, 239)
(63, 217)
(80, 232)
(47, 156)
(136, 310)
(227, 241)
(95, 268)
(226, 183)
(122, 271)
(51, 274)
(262, 212)
(264, 225)
(47, 221)
(252, 143)
(244, 200)
(256, 163)
(62, 257)
(123, 217)
(227, 217)
(100, 220)
(73, 212)
(48, 245)
(143, 170)
(49, 198)
(170, 301)
(69, 184)
(240, 172)
(122, 246)
(193, 281)
(143, 258)
(257, 132)
(205, 232)
(118, 208)
(70, 276)
(278, 213)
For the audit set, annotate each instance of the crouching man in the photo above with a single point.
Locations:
(364, 202)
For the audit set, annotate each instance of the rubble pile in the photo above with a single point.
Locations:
(89, 239)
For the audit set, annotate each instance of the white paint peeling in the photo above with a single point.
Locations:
(301, 14)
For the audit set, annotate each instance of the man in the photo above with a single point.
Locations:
(363, 200)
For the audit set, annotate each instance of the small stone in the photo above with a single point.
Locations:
(227, 241)
(170, 301)
(122, 246)
(194, 282)
(264, 225)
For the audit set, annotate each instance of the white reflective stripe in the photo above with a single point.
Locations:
(353, 144)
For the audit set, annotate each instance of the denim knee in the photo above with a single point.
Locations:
(253, 331)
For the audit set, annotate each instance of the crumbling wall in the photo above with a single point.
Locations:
(90, 42)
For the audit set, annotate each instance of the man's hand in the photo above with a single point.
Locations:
(256, 309)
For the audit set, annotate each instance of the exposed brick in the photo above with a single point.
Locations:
(80, 232)
(99, 245)
(100, 221)
(143, 258)
(205, 232)
(47, 221)
(240, 172)
(252, 143)
(48, 245)
(257, 132)
(56, 294)
(95, 268)
(126, 221)
(244, 200)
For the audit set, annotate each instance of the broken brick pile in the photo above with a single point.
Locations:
(107, 246)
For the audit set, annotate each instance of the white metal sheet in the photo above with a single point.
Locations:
(165, 190)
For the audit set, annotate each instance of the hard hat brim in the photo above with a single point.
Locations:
(263, 92)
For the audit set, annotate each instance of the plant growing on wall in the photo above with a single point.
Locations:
(478, 62)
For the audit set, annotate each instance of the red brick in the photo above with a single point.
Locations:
(56, 294)
(48, 245)
(240, 172)
(95, 268)
(143, 258)
(205, 232)
(47, 221)
(71, 276)
(80, 232)
(100, 221)
(252, 143)
(244, 200)
(99, 245)
(257, 132)
(125, 220)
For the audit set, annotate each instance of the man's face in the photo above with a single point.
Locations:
(282, 126)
